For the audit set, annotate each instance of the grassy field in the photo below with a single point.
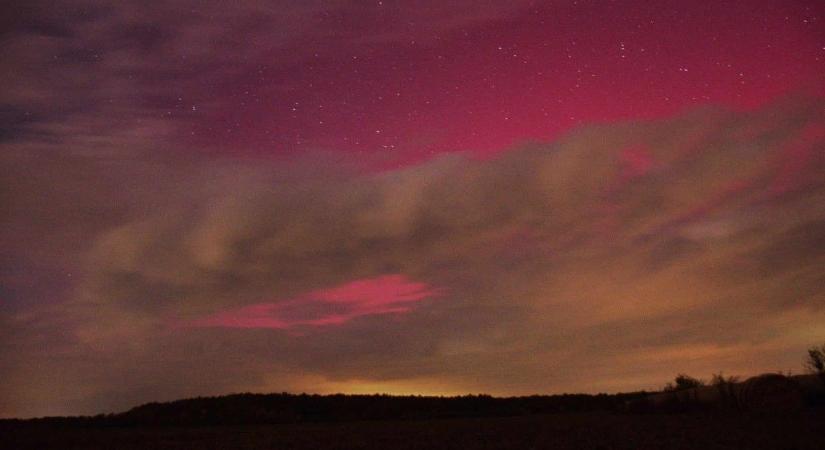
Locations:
(801, 430)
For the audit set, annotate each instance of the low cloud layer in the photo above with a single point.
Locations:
(606, 260)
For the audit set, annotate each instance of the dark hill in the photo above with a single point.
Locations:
(246, 409)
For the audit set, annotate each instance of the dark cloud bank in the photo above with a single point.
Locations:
(606, 260)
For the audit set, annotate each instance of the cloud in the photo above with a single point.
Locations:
(601, 261)
(387, 294)
(78, 70)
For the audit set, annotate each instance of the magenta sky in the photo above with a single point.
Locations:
(409, 197)
(380, 77)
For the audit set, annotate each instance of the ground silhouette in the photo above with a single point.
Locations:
(753, 414)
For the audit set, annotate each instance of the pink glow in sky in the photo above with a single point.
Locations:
(490, 195)
(333, 306)
(533, 73)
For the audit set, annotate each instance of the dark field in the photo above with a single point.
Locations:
(798, 430)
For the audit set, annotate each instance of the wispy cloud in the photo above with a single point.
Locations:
(333, 306)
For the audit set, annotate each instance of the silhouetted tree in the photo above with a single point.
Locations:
(771, 392)
(719, 379)
(725, 386)
(815, 362)
(683, 382)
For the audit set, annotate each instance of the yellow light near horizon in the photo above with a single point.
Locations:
(315, 384)
(397, 387)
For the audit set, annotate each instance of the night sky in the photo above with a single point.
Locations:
(426, 197)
